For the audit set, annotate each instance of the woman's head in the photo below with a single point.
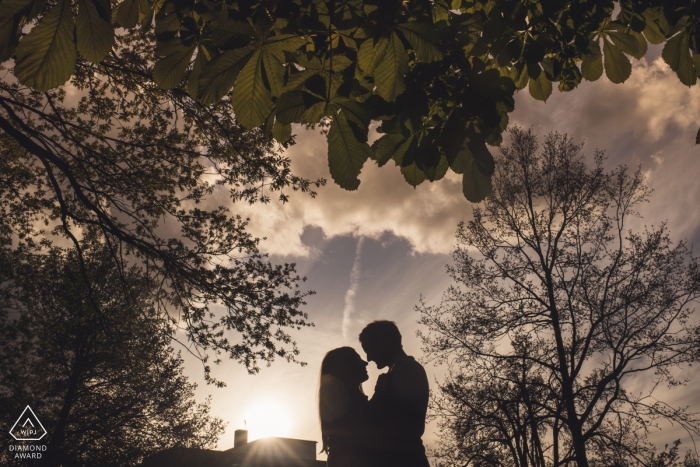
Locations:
(345, 364)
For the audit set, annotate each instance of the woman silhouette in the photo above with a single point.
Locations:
(343, 408)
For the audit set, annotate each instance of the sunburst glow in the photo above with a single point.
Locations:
(267, 418)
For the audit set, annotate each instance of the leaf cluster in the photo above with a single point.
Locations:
(439, 76)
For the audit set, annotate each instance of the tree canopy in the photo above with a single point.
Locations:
(104, 381)
(153, 174)
(439, 76)
(560, 308)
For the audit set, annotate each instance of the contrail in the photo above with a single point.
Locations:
(349, 309)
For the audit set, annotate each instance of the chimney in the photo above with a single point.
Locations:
(240, 437)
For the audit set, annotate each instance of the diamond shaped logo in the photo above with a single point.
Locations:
(28, 427)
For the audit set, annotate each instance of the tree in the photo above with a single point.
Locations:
(494, 417)
(439, 75)
(150, 172)
(558, 305)
(669, 457)
(104, 381)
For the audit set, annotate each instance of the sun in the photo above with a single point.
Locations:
(266, 418)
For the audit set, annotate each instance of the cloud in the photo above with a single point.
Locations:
(651, 108)
(349, 308)
(426, 216)
(649, 120)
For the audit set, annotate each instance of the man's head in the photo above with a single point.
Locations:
(381, 341)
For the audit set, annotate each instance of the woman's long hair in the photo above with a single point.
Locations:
(334, 371)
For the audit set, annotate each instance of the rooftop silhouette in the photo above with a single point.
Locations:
(264, 452)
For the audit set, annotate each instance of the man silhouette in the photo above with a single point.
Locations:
(400, 399)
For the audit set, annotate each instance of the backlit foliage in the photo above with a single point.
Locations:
(438, 75)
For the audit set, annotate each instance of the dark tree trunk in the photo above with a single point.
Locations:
(555, 443)
(54, 449)
(578, 442)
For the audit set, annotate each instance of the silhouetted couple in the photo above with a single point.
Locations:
(387, 429)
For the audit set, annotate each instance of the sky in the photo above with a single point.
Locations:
(373, 253)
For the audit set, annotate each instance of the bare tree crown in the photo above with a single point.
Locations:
(557, 305)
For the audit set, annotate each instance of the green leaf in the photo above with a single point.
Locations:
(299, 107)
(436, 173)
(617, 66)
(389, 75)
(297, 80)
(9, 27)
(406, 150)
(533, 70)
(354, 111)
(310, 63)
(592, 65)
(251, 100)
(165, 48)
(441, 11)
(625, 42)
(224, 28)
(127, 13)
(422, 37)
(339, 62)
(167, 26)
(104, 8)
(282, 43)
(462, 162)
(95, 35)
(413, 174)
(193, 79)
(677, 54)
(269, 124)
(657, 27)
(220, 73)
(642, 46)
(518, 74)
(637, 23)
(145, 14)
(314, 113)
(46, 56)
(371, 54)
(273, 51)
(696, 64)
(168, 71)
(551, 67)
(475, 185)
(8, 38)
(273, 70)
(281, 131)
(383, 148)
(12, 7)
(540, 87)
(481, 155)
(653, 35)
(346, 155)
(290, 107)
